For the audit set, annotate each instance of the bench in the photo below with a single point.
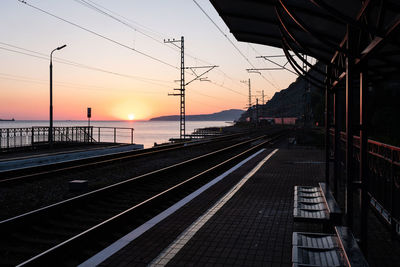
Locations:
(315, 249)
(316, 205)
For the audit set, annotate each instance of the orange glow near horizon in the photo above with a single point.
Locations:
(120, 83)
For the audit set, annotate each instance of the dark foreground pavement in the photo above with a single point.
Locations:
(253, 228)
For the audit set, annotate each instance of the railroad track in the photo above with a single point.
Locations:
(21, 175)
(62, 233)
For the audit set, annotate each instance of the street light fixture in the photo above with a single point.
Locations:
(51, 95)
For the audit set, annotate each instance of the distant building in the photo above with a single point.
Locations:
(280, 121)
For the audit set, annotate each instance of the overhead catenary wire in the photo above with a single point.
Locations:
(35, 54)
(101, 9)
(106, 38)
(227, 88)
(65, 84)
(76, 85)
(232, 43)
(125, 21)
(160, 35)
(206, 104)
(72, 85)
(39, 55)
(73, 63)
(269, 73)
(84, 86)
(100, 35)
(205, 95)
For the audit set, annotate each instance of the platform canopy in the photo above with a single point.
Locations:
(359, 43)
(318, 28)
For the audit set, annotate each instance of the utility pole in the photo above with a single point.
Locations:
(306, 94)
(257, 112)
(181, 89)
(249, 84)
(262, 97)
(182, 125)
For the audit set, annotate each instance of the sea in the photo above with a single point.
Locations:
(145, 132)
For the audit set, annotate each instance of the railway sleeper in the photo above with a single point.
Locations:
(86, 221)
(55, 231)
(7, 258)
(90, 219)
(99, 212)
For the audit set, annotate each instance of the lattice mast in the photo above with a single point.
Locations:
(181, 94)
(197, 76)
(249, 84)
(249, 93)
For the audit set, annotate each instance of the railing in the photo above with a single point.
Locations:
(204, 132)
(24, 137)
(384, 176)
(113, 134)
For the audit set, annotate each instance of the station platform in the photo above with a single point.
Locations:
(246, 219)
(40, 158)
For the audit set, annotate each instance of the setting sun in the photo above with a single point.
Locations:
(131, 117)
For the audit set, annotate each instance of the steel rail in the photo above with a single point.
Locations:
(35, 172)
(161, 197)
(123, 183)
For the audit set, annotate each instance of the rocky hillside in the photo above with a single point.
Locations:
(294, 101)
(225, 115)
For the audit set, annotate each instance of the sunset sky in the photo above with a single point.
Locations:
(110, 77)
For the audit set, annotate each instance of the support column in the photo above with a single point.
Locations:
(337, 122)
(327, 126)
(350, 71)
(364, 158)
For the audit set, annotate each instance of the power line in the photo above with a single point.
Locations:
(269, 73)
(101, 9)
(86, 67)
(104, 37)
(88, 87)
(160, 35)
(223, 33)
(100, 35)
(98, 8)
(206, 104)
(64, 84)
(76, 64)
(232, 43)
(43, 56)
(227, 88)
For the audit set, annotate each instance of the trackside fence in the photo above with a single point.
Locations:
(24, 137)
(384, 176)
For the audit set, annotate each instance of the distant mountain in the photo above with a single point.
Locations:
(226, 115)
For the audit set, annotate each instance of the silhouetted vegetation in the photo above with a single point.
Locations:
(384, 111)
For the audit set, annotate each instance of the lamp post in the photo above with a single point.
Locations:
(51, 95)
